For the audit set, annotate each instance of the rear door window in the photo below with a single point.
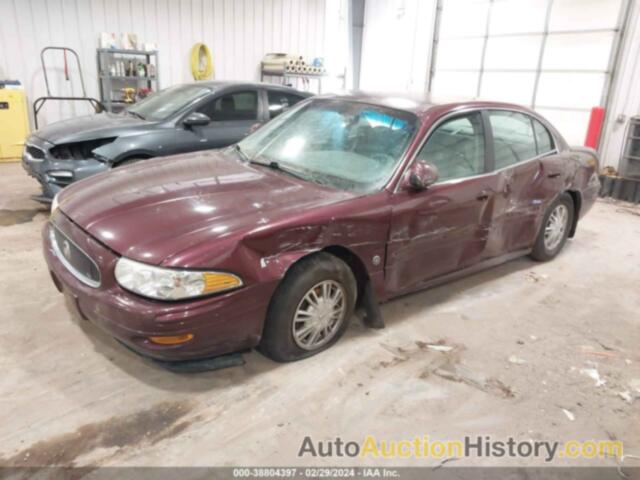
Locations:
(513, 137)
(543, 138)
(235, 106)
(280, 101)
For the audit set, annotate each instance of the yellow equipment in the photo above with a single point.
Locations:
(14, 123)
(129, 95)
(200, 52)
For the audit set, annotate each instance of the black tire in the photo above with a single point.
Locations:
(278, 341)
(541, 252)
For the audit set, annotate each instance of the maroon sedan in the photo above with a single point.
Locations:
(340, 202)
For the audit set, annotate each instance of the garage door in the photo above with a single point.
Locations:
(555, 56)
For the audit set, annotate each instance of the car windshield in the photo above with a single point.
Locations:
(344, 144)
(161, 105)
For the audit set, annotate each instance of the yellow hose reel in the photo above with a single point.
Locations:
(201, 62)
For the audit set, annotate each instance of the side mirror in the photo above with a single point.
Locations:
(196, 119)
(420, 176)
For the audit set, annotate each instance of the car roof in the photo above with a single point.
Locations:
(428, 110)
(420, 104)
(221, 85)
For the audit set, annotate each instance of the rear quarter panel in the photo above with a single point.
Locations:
(585, 179)
(573, 170)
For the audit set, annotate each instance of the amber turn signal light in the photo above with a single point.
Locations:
(172, 339)
(216, 282)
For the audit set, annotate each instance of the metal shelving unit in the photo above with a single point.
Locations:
(286, 78)
(630, 164)
(626, 184)
(112, 85)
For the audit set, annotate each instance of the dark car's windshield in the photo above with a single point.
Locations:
(165, 103)
(344, 144)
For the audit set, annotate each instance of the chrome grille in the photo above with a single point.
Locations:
(77, 262)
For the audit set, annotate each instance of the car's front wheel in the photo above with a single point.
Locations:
(555, 229)
(310, 309)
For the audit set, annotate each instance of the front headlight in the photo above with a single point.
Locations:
(171, 284)
(54, 203)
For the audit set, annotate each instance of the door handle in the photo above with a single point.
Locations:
(553, 175)
(483, 196)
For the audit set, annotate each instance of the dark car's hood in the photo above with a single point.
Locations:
(91, 127)
(155, 209)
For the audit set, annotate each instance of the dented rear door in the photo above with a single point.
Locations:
(520, 142)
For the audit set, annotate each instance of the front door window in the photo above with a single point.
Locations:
(237, 106)
(456, 148)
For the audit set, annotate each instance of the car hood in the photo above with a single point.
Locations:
(91, 127)
(156, 209)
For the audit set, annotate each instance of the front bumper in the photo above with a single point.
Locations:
(221, 324)
(55, 174)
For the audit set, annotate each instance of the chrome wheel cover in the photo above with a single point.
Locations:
(555, 227)
(319, 315)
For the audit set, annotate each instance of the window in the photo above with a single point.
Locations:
(233, 106)
(513, 137)
(456, 148)
(163, 104)
(280, 101)
(342, 144)
(543, 138)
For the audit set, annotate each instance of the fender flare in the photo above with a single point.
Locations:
(131, 154)
(279, 265)
(275, 267)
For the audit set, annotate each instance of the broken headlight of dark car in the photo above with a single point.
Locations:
(79, 150)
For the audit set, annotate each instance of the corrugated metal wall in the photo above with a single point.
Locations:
(238, 32)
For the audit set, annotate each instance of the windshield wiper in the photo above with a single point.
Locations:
(276, 166)
(238, 149)
(273, 165)
(270, 164)
(135, 114)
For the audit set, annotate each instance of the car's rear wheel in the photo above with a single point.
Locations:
(310, 309)
(555, 229)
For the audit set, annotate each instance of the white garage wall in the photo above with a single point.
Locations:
(552, 55)
(396, 44)
(336, 47)
(625, 101)
(238, 32)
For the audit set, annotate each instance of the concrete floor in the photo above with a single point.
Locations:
(71, 395)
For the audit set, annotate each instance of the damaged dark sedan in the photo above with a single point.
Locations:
(340, 203)
(179, 119)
